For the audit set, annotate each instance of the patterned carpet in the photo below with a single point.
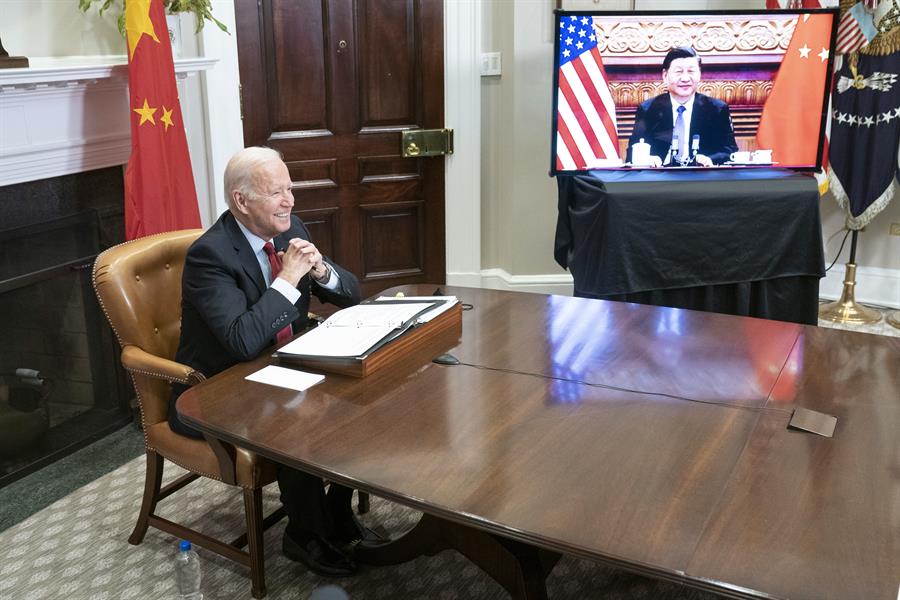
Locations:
(77, 549)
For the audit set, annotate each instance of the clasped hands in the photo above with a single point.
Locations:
(301, 257)
(704, 161)
(656, 162)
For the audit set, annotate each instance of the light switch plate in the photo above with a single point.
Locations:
(490, 64)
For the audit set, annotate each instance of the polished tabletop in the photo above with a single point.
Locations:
(651, 438)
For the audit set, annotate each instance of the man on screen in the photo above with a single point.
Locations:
(683, 113)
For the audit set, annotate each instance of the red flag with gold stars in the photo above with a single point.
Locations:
(792, 114)
(159, 183)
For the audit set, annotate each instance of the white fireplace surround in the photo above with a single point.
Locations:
(64, 116)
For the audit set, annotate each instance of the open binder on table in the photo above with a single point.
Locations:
(356, 340)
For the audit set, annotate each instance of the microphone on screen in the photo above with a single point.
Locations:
(695, 148)
(673, 152)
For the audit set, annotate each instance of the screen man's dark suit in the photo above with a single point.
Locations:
(710, 119)
(228, 314)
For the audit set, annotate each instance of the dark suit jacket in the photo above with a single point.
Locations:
(710, 119)
(228, 315)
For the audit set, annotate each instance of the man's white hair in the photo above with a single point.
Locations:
(241, 169)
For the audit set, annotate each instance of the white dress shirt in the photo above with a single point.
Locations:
(280, 285)
(688, 110)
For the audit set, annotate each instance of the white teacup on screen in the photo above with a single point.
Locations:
(740, 157)
(762, 156)
(640, 153)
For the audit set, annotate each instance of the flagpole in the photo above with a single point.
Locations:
(847, 309)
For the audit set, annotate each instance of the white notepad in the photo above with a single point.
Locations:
(336, 341)
(291, 379)
(354, 331)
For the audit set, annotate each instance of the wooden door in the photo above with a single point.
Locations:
(332, 84)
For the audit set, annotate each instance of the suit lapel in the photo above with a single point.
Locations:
(666, 124)
(696, 115)
(661, 135)
(245, 254)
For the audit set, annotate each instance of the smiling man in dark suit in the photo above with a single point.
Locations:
(246, 285)
(683, 112)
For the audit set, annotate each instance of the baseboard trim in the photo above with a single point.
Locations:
(464, 279)
(874, 285)
(499, 279)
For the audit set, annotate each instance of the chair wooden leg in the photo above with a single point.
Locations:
(253, 510)
(152, 483)
(362, 502)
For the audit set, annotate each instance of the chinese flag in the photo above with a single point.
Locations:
(159, 183)
(793, 112)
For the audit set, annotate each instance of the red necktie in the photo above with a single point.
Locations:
(275, 262)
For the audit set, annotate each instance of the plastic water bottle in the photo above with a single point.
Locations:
(329, 592)
(187, 573)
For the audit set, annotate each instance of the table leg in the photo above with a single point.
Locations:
(521, 569)
(225, 454)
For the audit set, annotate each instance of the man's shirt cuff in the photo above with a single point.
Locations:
(333, 279)
(286, 290)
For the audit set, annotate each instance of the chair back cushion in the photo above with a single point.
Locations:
(138, 284)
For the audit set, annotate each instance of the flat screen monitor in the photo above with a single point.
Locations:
(690, 89)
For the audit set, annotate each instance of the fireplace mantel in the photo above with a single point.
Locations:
(63, 116)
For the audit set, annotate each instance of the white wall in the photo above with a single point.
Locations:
(57, 28)
(518, 196)
(220, 98)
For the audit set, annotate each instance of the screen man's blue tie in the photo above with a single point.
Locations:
(680, 133)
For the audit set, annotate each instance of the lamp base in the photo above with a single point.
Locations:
(846, 309)
(893, 319)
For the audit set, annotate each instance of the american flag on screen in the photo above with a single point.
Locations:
(586, 114)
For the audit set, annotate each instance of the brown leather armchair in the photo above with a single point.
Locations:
(138, 284)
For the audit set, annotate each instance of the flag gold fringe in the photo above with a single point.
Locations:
(822, 180)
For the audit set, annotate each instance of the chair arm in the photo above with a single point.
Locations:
(139, 361)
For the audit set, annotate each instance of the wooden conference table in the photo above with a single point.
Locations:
(692, 477)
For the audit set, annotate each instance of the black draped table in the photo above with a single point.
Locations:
(743, 242)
